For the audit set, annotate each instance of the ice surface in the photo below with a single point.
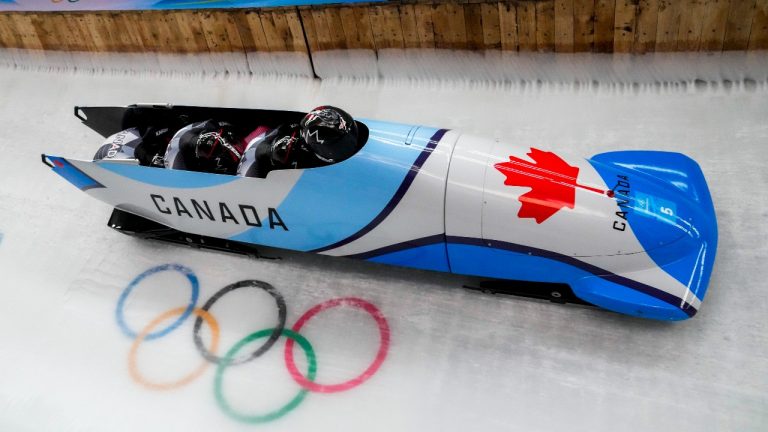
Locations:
(458, 360)
(510, 68)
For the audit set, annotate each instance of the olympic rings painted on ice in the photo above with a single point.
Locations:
(281, 313)
(381, 322)
(124, 296)
(306, 381)
(285, 409)
(133, 368)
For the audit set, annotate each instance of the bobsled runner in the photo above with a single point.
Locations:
(629, 231)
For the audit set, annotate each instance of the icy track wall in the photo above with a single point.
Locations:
(582, 69)
(457, 360)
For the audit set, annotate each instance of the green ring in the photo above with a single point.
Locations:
(285, 409)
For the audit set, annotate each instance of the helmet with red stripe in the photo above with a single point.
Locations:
(330, 134)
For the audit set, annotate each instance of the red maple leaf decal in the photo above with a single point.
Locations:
(552, 182)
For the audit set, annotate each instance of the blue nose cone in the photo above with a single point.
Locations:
(670, 211)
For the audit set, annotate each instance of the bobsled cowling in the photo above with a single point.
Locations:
(626, 240)
(633, 232)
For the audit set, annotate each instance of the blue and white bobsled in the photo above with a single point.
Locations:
(630, 231)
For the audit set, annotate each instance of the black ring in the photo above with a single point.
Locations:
(281, 314)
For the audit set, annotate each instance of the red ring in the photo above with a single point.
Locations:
(354, 382)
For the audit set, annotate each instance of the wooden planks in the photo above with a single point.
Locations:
(583, 25)
(490, 14)
(645, 27)
(425, 26)
(72, 33)
(8, 34)
(625, 13)
(26, 33)
(45, 31)
(691, 24)
(545, 25)
(473, 25)
(627, 26)
(758, 36)
(191, 33)
(739, 24)
(410, 26)
(506, 13)
(357, 28)
(526, 26)
(604, 19)
(276, 31)
(325, 39)
(449, 26)
(713, 27)
(668, 25)
(310, 31)
(564, 25)
(386, 28)
(171, 31)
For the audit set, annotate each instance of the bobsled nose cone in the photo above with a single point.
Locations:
(671, 213)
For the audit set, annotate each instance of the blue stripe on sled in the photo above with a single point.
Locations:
(395, 200)
(336, 204)
(502, 260)
(428, 253)
(596, 285)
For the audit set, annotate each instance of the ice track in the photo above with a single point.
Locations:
(456, 360)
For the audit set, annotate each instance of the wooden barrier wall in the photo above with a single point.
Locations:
(625, 26)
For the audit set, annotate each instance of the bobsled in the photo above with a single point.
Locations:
(629, 231)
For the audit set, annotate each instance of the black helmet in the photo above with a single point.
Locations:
(329, 133)
(217, 148)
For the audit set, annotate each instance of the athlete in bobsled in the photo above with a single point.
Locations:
(209, 146)
(326, 135)
(146, 145)
(142, 137)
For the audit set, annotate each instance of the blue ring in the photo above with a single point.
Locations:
(127, 291)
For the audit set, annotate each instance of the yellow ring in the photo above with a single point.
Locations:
(132, 364)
